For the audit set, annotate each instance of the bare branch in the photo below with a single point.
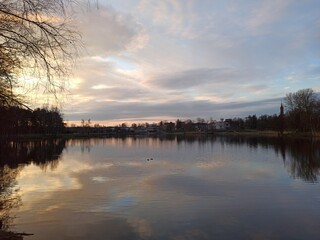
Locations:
(36, 37)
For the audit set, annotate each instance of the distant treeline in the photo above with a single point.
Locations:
(276, 122)
(300, 113)
(16, 120)
(251, 122)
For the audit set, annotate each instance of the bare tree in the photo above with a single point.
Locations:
(302, 100)
(36, 39)
(303, 106)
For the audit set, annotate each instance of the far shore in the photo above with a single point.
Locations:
(273, 134)
(251, 133)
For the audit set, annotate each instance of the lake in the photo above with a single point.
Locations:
(174, 187)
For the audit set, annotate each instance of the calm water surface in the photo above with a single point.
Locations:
(154, 188)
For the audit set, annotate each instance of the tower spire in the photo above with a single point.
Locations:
(281, 109)
(281, 120)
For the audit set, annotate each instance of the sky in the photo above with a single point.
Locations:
(151, 60)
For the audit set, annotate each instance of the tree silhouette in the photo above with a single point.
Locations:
(302, 108)
(36, 40)
(16, 120)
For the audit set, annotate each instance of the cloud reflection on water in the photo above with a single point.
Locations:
(194, 188)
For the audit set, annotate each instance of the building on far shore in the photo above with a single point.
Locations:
(221, 125)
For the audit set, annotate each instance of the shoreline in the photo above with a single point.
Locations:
(244, 133)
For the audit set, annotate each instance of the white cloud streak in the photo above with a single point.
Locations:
(193, 58)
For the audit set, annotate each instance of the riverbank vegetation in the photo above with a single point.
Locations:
(299, 115)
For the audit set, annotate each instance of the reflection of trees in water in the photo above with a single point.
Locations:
(9, 197)
(44, 153)
(301, 156)
(200, 139)
(86, 144)
(13, 156)
(304, 160)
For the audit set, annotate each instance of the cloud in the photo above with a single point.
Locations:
(257, 88)
(186, 59)
(100, 87)
(185, 109)
(143, 195)
(214, 84)
(174, 17)
(189, 185)
(268, 13)
(194, 77)
(106, 31)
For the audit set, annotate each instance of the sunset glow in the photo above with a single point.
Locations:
(188, 59)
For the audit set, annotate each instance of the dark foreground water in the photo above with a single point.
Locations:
(153, 188)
